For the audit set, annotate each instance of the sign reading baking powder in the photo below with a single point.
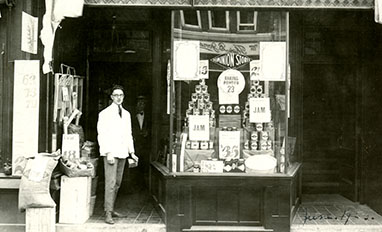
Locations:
(259, 110)
(199, 127)
(230, 83)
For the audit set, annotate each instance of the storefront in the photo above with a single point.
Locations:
(218, 122)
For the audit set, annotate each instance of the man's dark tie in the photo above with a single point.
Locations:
(120, 111)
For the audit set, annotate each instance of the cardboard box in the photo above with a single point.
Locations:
(75, 199)
(40, 219)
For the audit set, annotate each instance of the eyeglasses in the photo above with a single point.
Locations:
(118, 95)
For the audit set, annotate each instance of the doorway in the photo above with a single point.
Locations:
(329, 135)
(136, 79)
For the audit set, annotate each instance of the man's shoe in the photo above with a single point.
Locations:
(109, 218)
(118, 215)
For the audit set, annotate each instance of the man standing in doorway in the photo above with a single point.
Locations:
(116, 144)
(141, 133)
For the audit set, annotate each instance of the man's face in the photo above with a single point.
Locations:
(117, 96)
(140, 105)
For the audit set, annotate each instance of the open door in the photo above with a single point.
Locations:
(330, 148)
(348, 147)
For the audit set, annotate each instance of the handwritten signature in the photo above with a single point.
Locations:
(346, 216)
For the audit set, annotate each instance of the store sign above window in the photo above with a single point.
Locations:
(231, 60)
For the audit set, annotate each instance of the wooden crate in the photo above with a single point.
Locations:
(75, 199)
(40, 219)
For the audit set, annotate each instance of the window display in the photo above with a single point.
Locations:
(230, 97)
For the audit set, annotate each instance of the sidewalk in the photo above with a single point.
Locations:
(332, 212)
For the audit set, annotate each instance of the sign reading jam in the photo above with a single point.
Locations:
(231, 60)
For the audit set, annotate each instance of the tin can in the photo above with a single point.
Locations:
(188, 112)
(191, 104)
(200, 96)
(206, 112)
(222, 109)
(252, 89)
(188, 144)
(204, 88)
(259, 89)
(196, 168)
(195, 145)
(212, 122)
(269, 126)
(229, 128)
(196, 111)
(206, 97)
(209, 105)
(194, 97)
(256, 82)
(246, 145)
(234, 128)
(201, 104)
(236, 109)
(253, 145)
(259, 126)
(212, 113)
(211, 145)
(254, 136)
(263, 145)
(224, 128)
(198, 88)
(204, 145)
(264, 135)
(229, 109)
(247, 105)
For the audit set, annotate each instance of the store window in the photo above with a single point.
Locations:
(230, 96)
(247, 20)
(190, 19)
(218, 20)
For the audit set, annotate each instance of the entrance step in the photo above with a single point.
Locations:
(92, 227)
(226, 229)
(102, 227)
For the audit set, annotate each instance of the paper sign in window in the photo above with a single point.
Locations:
(186, 60)
(230, 83)
(259, 110)
(229, 144)
(199, 127)
(272, 60)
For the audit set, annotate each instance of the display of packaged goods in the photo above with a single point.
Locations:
(195, 145)
(259, 126)
(254, 136)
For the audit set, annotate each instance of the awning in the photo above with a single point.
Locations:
(315, 4)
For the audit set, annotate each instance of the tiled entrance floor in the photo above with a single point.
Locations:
(141, 216)
(137, 206)
(332, 212)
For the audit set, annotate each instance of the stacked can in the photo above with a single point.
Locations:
(200, 104)
(229, 109)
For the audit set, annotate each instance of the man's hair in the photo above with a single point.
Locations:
(117, 87)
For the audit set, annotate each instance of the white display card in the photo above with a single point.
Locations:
(259, 110)
(229, 144)
(199, 127)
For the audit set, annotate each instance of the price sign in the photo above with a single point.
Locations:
(212, 166)
(71, 146)
(26, 96)
(229, 144)
(254, 70)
